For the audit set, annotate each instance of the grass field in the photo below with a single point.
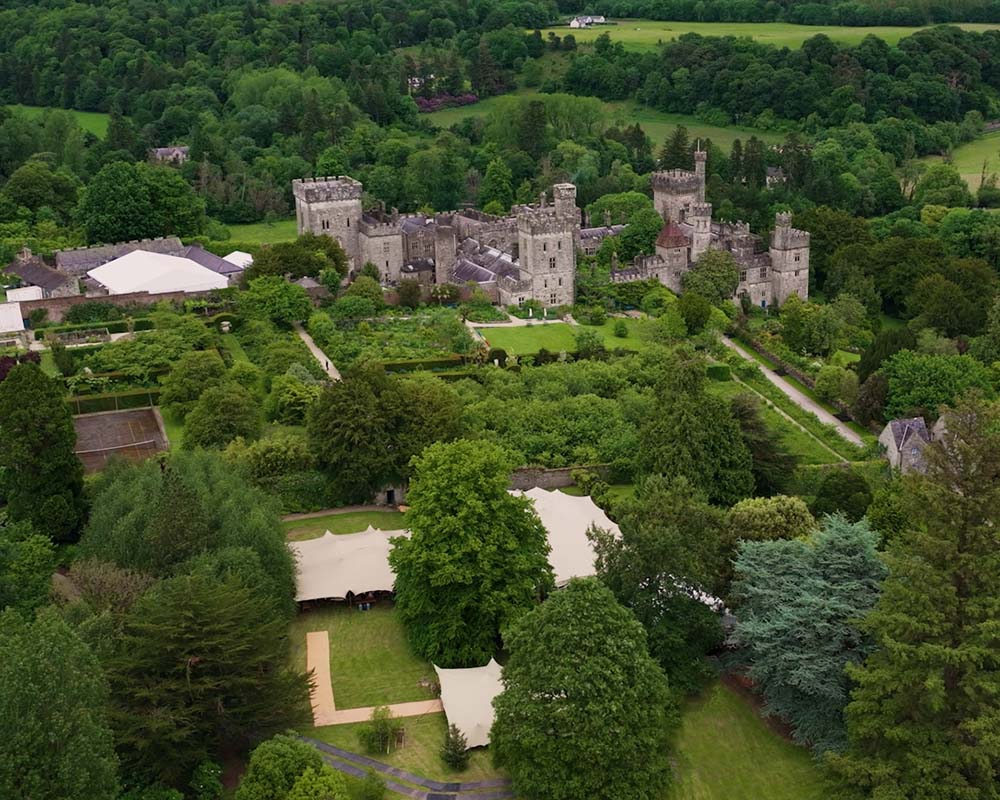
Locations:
(174, 428)
(420, 754)
(968, 159)
(558, 336)
(353, 522)
(93, 121)
(370, 661)
(726, 752)
(232, 344)
(656, 124)
(644, 34)
(282, 230)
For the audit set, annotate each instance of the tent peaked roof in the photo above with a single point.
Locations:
(567, 520)
(467, 696)
(332, 567)
(156, 273)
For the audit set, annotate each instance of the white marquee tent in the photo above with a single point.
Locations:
(11, 320)
(567, 519)
(331, 567)
(467, 696)
(156, 273)
(239, 258)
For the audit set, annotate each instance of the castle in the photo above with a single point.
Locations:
(531, 254)
(767, 276)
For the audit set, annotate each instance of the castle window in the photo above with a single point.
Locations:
(763, 273)
(559, 245)
(743, 276)
(545, 246)
(385, 247)
(552, 262)
(545, 284)
(560, 281)
(348, 222)
(387, 265)
(798, 257)
(552, 299)
(796, 273)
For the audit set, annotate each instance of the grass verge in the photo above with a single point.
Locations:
(353, 522)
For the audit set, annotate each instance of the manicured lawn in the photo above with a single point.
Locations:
(644, 34)
(282, 230)
(633, 341)
(48, 364)
(656, 124)
(370, 661)
(174, 428)
(726, 752)
(94, 122)
(554, 337)
(232, 344)
(353, 522)
(968, 158)
(420, 755)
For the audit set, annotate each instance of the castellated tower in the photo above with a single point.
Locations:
(675, 190)
(789, 260)
(331, 207)
(700, 157)
(700, 217)
(546, 237)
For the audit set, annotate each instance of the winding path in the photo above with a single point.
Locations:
(423, 788)
(801, 400)
(319, 355)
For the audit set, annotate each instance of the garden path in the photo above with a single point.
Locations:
(324, 708)
(801, 400)
(326, 512)
(423, 789)
(319, 355)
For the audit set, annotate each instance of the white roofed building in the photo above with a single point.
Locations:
(239, 258)
(156, 273)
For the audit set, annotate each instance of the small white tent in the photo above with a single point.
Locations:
(331, 567)
(467, 696)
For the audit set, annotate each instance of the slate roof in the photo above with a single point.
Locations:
(601, 232)
(35, 272)
(210, 260)
(419, 265)
(672, 236)
(84, 259)
(903, 431)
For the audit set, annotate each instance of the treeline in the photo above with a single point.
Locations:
(873, 12)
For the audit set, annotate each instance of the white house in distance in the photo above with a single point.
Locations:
(586, 21)
(156, 273)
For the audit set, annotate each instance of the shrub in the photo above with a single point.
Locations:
(621, 329)
(92, 311)
(409, 293)
(352, 307)
(695, 310)
(719, 372)
(380, 732)
(454, 752)
(372, 787)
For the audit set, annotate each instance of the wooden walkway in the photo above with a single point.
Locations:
(324, 708)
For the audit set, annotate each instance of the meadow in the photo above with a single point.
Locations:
(656, 124)
(646, 35)
(94, 122)
(282, 230)
(968, 159)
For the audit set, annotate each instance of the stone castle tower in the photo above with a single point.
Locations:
(331, 207)
(547, 236)
(675, 190)
(789, 260)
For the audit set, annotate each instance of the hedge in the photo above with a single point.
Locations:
(153, 375)
(112, 326)
(420, 364)
(114, 401)
(719, 372)
(224, 316)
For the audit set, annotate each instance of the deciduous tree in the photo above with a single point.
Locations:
(576, 662)
(714, 276)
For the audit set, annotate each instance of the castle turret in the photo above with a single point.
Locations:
(547, 236)
(445, 249)
(789, 253)
(700, 217)
(330, 207)
(700, 157)
(674, 191)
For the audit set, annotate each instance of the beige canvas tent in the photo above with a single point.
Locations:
(467, 696)
(567, 519)
(332, 567)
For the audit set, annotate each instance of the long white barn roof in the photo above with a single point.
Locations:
(156, 273)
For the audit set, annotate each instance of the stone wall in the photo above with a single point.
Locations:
(557, 478)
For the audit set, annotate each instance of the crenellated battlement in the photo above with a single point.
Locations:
(319, 190)
(676, 181)
(784, 236)
(700, 210)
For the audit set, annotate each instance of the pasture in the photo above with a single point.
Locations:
(648, 35)
(94, 122)
(655, 123)
(968, 159)
(282, 230)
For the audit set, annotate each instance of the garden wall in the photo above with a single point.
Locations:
(556, 478)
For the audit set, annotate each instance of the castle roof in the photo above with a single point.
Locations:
(35, 272)
(672, 236)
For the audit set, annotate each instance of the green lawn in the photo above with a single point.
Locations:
(968, 158)
(48, 364)
(554, 337)
(370, 661)
(656, 124)
(232, 344)
(174, 428)
(726, 752)
(420, 754)
(645, 35)
(94, 122)
(282, 230)
(352, 522)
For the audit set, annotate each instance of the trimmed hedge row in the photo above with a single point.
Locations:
(112, 326)
(421, 364)
(719, 372)
(113, 401)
